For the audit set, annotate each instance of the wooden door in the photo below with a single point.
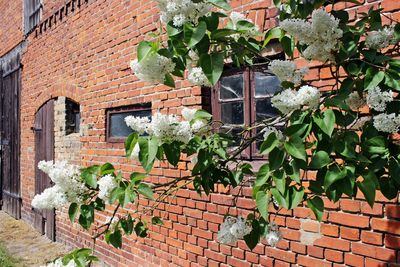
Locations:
(44, 150)
(10, 84)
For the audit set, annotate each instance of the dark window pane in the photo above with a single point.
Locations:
(266, 85)
(72, 117)
(232, 87)
(264, 109)
(232, 113)
(118, 127)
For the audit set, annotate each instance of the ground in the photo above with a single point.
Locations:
(25, 244)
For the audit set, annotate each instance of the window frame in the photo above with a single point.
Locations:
(249, 103)
(122, 109)
(32, 13)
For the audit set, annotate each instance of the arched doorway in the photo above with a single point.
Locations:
(44, 221)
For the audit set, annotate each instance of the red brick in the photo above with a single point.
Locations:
(215, 255)
(389, 5)
(377, 209)
(350, 205)
(315, 252)
(298, 248)
(392, 211)
(330, 230)
(238, 263)
(311, 262)
(335, 243)
(280, 254)
(392, 241)
(374, 252)
(383, 225)
(349, 220)
(349, 233)
(333, 255)
(353, 260)
(374, 263)
(372, 238)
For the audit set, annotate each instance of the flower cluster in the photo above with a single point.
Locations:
(233, 229)
(321, 35)
(249, 33)
(197, 77)
(354, 101)
(388, 123)
(290, 100)
(169, 128)
(152, 68)
(269, 129)
(377, 98)
(182, 11)
(286, 70)
(106, 184)
(273, 236)
(380, 39)
(59, 263)
(67, 188)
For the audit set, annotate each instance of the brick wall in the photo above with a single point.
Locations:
(85, 56)
(11, 21)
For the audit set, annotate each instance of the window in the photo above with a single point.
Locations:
(33, 12)
(243, 97)
(72, 117)
(117, 130)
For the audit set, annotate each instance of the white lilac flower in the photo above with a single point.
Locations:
(273, 236)
(321, 35)
(106, 184)
(269, 129)
(233, 229)
(377, 98)
(249, 33)
(67, 188)
(380, 39)
(388, 123)
(182, 11)
(153, 68)
(50, 198)
(197, 77)
(354, 101)
(290, 100)
(287, 71)
(309, 96)
(135, 152)
(138, 124)
(200, 127)
(188, 113)
(59, 263)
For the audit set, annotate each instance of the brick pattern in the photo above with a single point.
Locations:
(86, 57)
(11, 21)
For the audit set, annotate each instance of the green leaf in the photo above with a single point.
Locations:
(263, 175)
(269, 144)
(274, 33)
(221, 4)
(222, 33)
(212, 65)
(169, 80)
(333, 175)
(320, 159)
(254, 236)
(146, 190)
(287, 45)
(262, 201)
(295, 196)
(281, 199)
(137, 177)
(376, 145)
(295, 147)
(89, 175)
(144, 48)
(127, 225)
(87, 216)
(172, 30)
(202, 114)
(373, 78)
(130, 143)
(172, 152)
(106, 168)
(73, 211)
(140, 229)
(115, 239)
(388, 188)
(368, 188)
(193, 35)
(276, 158)
(325, 121)
(156, 220)
(317, 206)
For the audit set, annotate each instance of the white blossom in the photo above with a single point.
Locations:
(273, 236)
(269, 129)
(380, 39)
(197, 77)
(377, 98)
(188, 113)
(168, 128)
(354, 101)
(106, 184)
(182, 11)
(287, 71)
(51, 198)
(249, 33)
(59, 263)
(321, 35)
(290, 100)
(68, 187)
(138, 124)
(388, 123)
(135, 152)
(152, 68)
(309, 96)
(200, 127)
(236, 17)
(233, 229)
